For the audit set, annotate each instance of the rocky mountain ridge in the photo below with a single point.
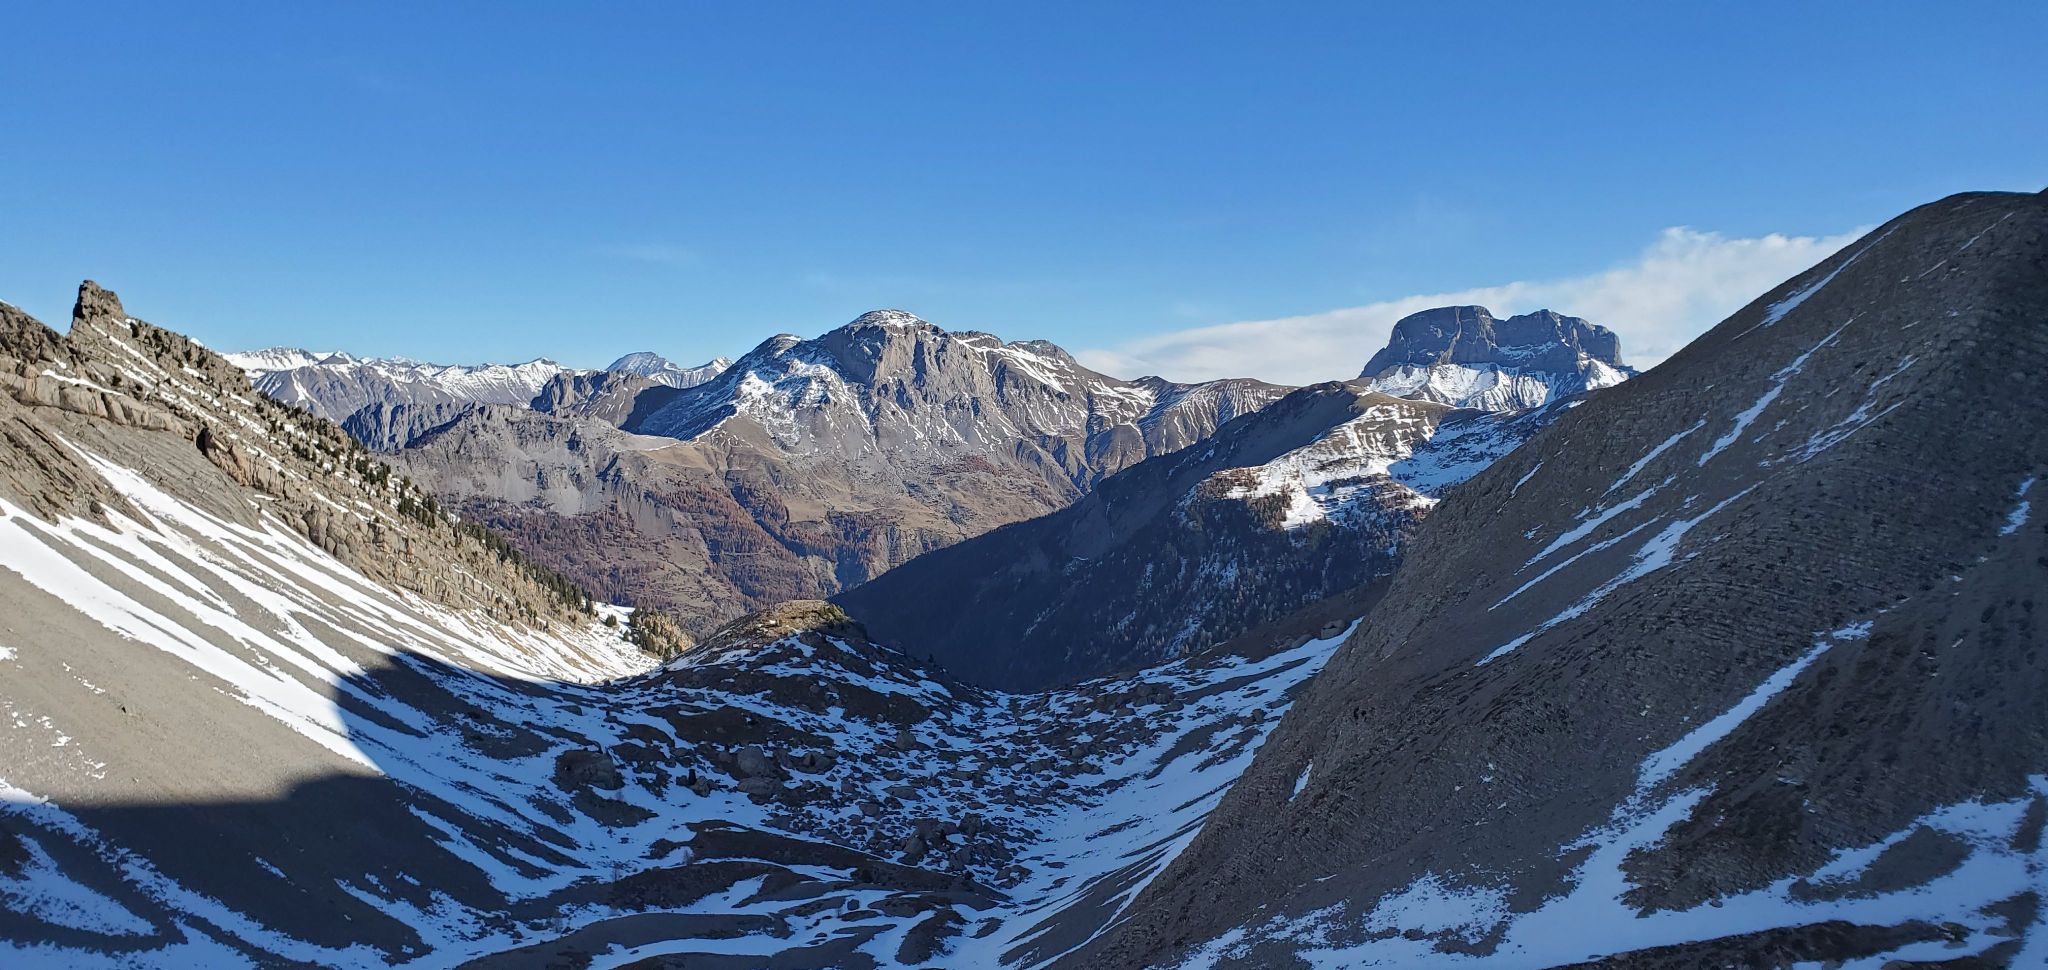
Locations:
(810, 466)
(117, 394)
(893, 388)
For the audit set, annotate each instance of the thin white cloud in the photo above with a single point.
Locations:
(655, 254)
(1681, 285)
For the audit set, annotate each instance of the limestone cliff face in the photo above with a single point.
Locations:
(1465, 356)
(1544, 339)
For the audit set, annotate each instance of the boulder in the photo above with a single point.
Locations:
(581, 768)
(754, 762)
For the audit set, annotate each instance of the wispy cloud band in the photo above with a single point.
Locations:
(1680, 285)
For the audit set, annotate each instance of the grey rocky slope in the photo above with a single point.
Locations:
(1463, 355)
(1737, 663)
(1313, 496)
(809, 466)
(269, 709)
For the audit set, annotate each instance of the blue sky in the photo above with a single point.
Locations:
(578, 181)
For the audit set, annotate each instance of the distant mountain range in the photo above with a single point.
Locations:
(337, 385)
(809, 467)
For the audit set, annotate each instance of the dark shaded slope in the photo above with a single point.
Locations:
(1313, 496)
(1752, 642)
(1038, 602)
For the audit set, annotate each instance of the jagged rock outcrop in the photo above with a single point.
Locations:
(1464, 356)
(1735, 663)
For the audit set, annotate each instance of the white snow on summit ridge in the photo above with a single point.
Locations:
(335, 384)
(662, 370)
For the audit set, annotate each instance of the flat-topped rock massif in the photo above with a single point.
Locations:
(1465, 356)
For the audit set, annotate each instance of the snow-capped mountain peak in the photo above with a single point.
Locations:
(891, 383)
(662, 370)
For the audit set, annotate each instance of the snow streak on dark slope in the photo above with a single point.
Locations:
(1312, 496)
(1738, 663)
(403, 786)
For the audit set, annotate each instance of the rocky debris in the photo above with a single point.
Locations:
(928, 939)
(812, 762)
